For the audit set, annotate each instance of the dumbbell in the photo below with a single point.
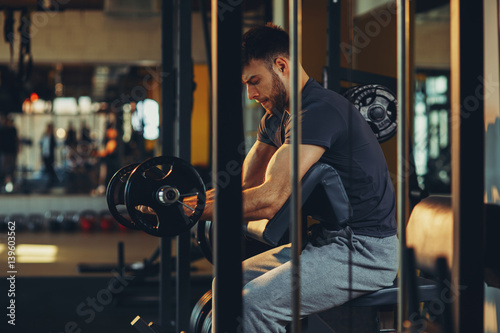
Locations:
(51, 221)
(106, 221)
(88, 220)
(160, 184)
(69, 221)
(19, 219)
(35, 222)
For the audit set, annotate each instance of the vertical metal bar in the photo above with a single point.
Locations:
(167, 79)
(184, 78)
(168, 118)
(121, 259)
(184, 107)
(295, 12)
(227, 134)
(208, 52)
(206, 36)
(467, 154)
(333, 46)
(404, 107)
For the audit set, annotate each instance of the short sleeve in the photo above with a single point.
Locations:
(322, 125)
(262, 132)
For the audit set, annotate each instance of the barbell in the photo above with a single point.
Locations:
(152, 192)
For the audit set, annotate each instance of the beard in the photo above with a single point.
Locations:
(279, 96)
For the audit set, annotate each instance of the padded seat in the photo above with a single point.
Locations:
(428, 290)
(323, 197)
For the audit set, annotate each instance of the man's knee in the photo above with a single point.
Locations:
(253, 302)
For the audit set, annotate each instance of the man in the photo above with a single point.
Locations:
(338, 264)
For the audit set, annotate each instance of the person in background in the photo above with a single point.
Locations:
(9, 148)
(48, 146)
(109, 159)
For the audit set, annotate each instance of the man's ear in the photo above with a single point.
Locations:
(281, 65)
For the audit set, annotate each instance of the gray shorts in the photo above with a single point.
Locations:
(336, 266)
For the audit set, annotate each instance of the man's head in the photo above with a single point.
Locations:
(265, 43)
(265, 57)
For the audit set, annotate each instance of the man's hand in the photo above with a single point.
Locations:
(189, 204)
(145, 209)
(188, 207)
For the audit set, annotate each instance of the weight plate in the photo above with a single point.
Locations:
(207, 323)
(115, 195)
(204, 239)
(164, 195)
(200, 312)
(378, 105)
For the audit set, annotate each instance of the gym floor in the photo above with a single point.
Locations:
(51, 295)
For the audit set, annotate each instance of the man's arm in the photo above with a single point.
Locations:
(253, 174)
(255, 164)
(264, 201)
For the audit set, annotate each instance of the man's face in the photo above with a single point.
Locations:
(265, 86)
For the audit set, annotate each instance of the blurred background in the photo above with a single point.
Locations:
(80, 97)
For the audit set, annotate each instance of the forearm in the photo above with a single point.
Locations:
(263, 202)
(259, 202)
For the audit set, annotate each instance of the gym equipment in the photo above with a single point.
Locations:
(34, 222)
(163, 193)
(115, 195)
(68, 221)
(139, 324)
(88, 220)
(20, 220)
(204, 239)
(378, 105)
(53, 224)
(323, 197)
(106, 221)
(200, 314)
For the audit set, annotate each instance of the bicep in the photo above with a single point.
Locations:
(278, 172)
(255, 164)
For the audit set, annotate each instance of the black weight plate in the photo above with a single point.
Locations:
(115, 195)
(144, 188)
(204, 239)
(200, 312)
(207, 324)
(378, 105)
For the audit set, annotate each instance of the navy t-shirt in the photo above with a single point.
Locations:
(331, 121)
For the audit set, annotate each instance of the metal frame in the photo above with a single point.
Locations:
(295, 19)
(177, 96)
(404, 85)
(168, 148)
(227, 133)
(184, 108)
(467, 160)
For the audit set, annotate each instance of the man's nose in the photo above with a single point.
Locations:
(252, 93)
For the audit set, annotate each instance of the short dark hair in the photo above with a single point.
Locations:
(265, 43)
